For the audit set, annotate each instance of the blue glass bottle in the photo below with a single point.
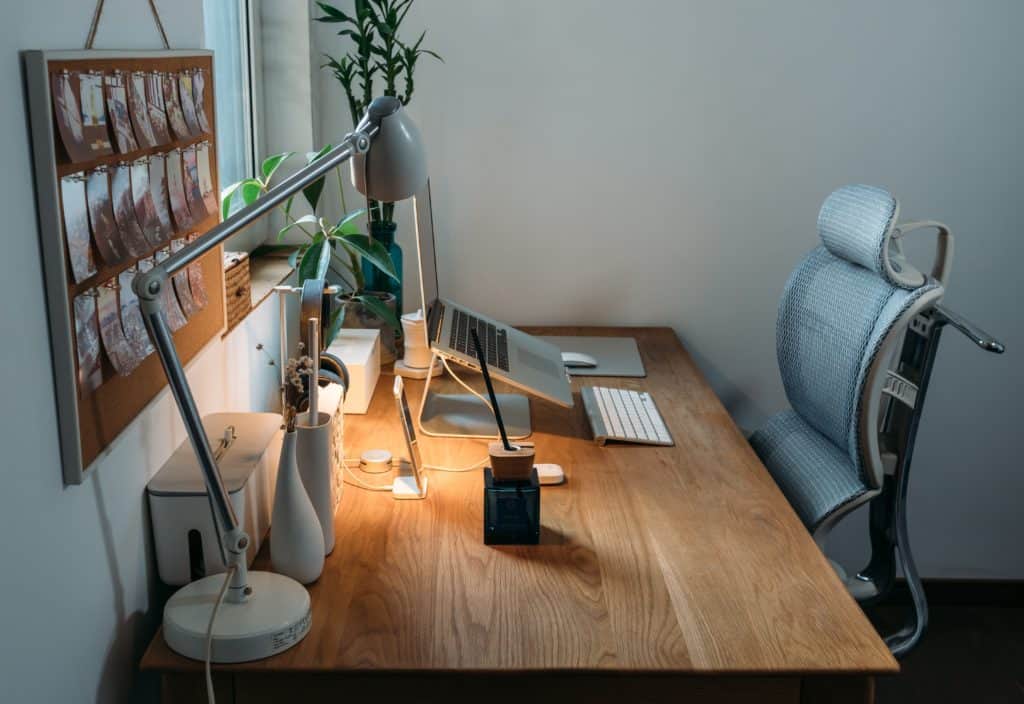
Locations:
(377, 280)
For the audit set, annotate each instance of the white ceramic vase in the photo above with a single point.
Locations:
(296, 539)
(316, 467)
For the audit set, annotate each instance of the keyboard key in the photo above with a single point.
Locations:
(493, 340)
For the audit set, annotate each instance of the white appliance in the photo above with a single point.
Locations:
(187, 546)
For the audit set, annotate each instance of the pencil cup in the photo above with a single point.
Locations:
(511, 510)
(513, 465)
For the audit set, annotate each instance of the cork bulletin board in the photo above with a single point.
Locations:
(125, 164)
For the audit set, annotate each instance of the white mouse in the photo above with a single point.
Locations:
(549, 473)
(578, 360)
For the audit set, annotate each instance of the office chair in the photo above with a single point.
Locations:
(856, 337)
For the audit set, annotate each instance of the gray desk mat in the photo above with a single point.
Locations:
(616, 356)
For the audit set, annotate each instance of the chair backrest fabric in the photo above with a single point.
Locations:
(836, 312)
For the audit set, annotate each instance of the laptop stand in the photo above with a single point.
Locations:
(466, 416)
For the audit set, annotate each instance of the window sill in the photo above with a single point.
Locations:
(265, 272)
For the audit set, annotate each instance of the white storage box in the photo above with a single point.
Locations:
(360, 351)
(183, 528)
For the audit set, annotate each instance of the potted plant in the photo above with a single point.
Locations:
(377, 52)
(337, 247)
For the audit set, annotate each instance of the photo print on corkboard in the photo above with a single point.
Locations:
(121, 355)
(158, 191)
(175, 317)
(175, 118)
(157, 111)
(76, 227)
(145, 209)
(117, 107)
(124, 211)
(176, 191)
(188, 106)
(68, 115)
(199, 94)
(206, 178)
(94, 114)
(87, 343)
(105, 234)
(190, 178)
(131, 316)
(139, 109)
(181, 284)
(195, 281)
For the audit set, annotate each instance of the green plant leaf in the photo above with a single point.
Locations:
(332, 14)
(334, 327)
(250, 190)
(309, 266)
(304, 220)
(376, 307)
(225, 199)
(370, 250)
(313, 191)
(271, 163)
(348, 224)
(293, 258)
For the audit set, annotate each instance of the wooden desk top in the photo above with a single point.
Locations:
(684, 559)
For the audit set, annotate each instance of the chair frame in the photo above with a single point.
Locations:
(899, 418)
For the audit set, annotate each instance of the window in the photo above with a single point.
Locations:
(228, 28)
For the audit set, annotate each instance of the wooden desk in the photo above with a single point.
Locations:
(664, 574)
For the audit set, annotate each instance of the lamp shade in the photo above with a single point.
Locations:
(395, 166)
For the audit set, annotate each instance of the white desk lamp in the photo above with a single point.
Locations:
(263, 613)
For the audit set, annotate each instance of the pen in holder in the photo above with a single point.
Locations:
(511, 486)
(511, 465)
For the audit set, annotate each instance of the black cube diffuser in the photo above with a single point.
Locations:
(511, 510)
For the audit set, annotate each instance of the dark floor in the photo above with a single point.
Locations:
(969, 654)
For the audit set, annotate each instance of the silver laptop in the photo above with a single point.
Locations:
(513, 356)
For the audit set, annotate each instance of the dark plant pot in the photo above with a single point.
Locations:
(358, 316)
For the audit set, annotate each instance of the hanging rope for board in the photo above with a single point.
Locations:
(99, 12)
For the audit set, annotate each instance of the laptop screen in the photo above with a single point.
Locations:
(425, 248)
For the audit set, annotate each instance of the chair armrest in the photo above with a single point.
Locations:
(978, 336)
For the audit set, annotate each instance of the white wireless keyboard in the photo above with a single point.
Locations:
(624, 416)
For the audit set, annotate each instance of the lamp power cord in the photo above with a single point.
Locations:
(209, 633)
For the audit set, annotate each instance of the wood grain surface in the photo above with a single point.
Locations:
(684, 560)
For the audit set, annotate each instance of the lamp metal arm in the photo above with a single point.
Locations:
(151, 287)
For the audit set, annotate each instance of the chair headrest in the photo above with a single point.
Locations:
(856, 223)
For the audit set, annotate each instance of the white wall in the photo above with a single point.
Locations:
(78, 587)
(662, 163)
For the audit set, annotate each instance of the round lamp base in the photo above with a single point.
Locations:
(276, 617)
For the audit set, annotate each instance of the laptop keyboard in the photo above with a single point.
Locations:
(493, 339)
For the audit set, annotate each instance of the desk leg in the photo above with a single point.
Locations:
(190, 688)
(850, 689)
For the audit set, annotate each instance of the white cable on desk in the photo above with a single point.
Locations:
(470, 468)
(357, 462)
(209, 634)
(356, 481)
(466, 386)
